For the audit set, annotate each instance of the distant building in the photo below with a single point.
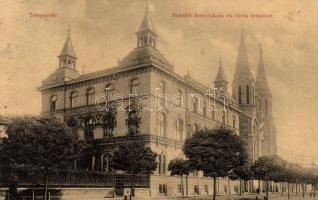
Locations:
(145, 73)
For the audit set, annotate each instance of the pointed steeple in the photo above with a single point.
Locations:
(67, 56)
(261, 78)
(146, 35)
(242, 64)
(220, 81)
(146, 24)
(68, 47)
(220, 76)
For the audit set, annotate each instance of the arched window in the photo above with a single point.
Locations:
(133, 122)
(240, 95)
(89, 128)
(73, 99)
(204, 109)
(109, 91)
(266, 107)
(195, 104)
(247, 94)
(162, 88)
(196, 128)
(162, 164)
(213, 114)
(223, 117)
(234, 121)
(134, 86)
(53, 103)
(109, 123)
(161, 125)
(179, 129)
(107, 160)
(90, 96)
(179, 98)
(190, 130)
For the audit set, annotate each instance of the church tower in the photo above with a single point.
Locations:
(263, 93)
(243, 83)
(220, 82)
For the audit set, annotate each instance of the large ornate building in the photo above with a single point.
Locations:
(143, 97)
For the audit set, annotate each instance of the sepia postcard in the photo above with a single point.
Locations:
(158, 99)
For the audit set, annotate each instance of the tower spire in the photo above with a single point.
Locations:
(67, 56)
(220, 81)
(242, 64)
(261, 78)
(146, 35)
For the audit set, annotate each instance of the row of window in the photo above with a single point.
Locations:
(179, 126)
(245, 93)
(90, 94)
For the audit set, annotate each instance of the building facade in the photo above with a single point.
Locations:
(143, 97)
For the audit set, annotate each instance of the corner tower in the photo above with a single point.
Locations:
(220, 81)
(67, 65)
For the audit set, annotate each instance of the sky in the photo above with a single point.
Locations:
(102, 32)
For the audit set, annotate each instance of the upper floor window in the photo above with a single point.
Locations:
(109, 123)
(179, 129)
(162, 164)
(89, 128)
(73, 99)
(162, 88)
(223, 117)
(204, 109)
(179, 98)
(266, 107)
(213, 114)
(247, 94)
(240, 95)
(134, 86)
(53, 103)
(109, 91)
(161, 124)
(195, 104)
(196, 128)
(190, 130)
(234, 121)
(90, 96)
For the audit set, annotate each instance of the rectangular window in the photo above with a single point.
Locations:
(163, 189)
(206, 190)
(179, 188)
(196, 189)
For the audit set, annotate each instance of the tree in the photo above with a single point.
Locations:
(243, 172)
(39, 145)
(216, 152)
(134, 158)
(179, 167)
(265, 168)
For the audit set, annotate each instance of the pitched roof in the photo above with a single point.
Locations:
(68, 49)
(261, 78)
(220, 76)
(242, 64)
(146, 24)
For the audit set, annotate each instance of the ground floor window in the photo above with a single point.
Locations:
(163, 189)
(206, 189)
(196, 189)
(179, 188)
